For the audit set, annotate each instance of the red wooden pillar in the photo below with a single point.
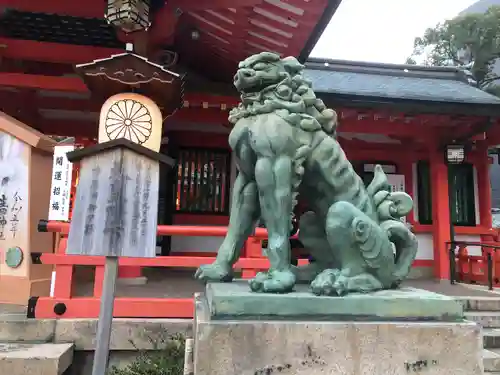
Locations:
(482, 164)
(440, 213)
(484, 187)
(253, 249)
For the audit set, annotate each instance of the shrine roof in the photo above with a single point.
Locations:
(376, 83)
(209, 36)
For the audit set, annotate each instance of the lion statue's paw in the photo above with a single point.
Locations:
(329, 283)
(273, 281)
(214, 272)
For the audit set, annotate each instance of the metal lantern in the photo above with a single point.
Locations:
(128, 15)
(455, 154)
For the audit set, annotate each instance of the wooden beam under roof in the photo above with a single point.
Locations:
(53, 52)
(96, 8)
(13, 84)
(88, 128)
(89, 8)
(71, 84)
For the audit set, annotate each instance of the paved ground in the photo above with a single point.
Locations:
(173, 283)
(12, 312)
(456, 290)
(181, 284)
(162, 283)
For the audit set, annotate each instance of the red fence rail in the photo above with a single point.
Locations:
(481, 269)
(63, 303)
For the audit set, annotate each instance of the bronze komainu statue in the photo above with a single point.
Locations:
(284, 139)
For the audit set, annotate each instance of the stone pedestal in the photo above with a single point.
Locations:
(241, 333)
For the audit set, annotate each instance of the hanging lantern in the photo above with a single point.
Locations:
(128, 15)
(455, 154)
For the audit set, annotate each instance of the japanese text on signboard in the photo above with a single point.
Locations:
(60, 191)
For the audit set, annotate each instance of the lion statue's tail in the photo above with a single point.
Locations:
(391, 207)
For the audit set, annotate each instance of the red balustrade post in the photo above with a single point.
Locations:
(253, 249)
(63, 283)
(463, 265)
(98, 281)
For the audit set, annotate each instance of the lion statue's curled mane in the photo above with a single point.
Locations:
(291, 96)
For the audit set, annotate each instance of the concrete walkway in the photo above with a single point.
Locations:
(455, 290)
(12, 312)
(168, 283)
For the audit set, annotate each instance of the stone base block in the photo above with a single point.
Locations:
(301, 347)
(35, 359)
(235, 300)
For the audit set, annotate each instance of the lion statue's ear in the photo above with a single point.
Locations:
(292, 65)
(268, 57)
(265, 57)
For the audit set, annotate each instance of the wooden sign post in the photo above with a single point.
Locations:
(115, 213)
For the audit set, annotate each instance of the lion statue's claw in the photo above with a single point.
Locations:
(326, 284)
(273, 282)
(214, 272)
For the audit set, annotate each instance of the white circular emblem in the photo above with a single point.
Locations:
(129, 119)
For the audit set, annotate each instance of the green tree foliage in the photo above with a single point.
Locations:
(471, 41)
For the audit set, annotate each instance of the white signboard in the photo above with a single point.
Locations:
(397, 183)
(60, 190)
(386, 168)
(13, 189)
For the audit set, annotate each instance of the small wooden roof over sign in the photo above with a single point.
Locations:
(129, 72)
(77, 155)
(25, 133)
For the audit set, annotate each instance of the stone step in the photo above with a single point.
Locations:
(491, 360)
(35, 359)
(481, 303)
(487, 319)
(491, 338)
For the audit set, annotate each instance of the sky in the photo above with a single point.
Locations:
(382, 30)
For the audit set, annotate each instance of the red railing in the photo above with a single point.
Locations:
(481, 269)
(63, 303)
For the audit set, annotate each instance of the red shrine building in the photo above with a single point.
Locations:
(428, 127)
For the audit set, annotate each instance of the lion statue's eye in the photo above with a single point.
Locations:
(260, 66)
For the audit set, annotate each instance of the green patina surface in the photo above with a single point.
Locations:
(14, 257)
(236, 301)
(285, 145)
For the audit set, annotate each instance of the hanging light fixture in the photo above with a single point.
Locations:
(129, 15)
(195, 34)
(455, 154)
